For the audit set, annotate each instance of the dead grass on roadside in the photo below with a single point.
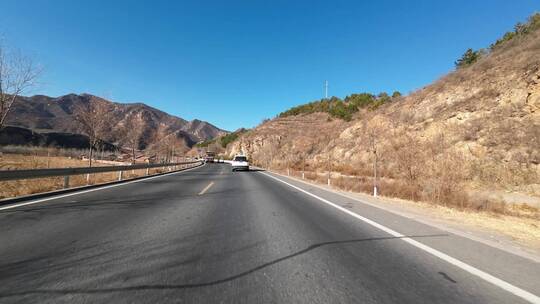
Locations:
(458, 200)
(522, 229)
(520, 222)
(19, 162)
(31, 186)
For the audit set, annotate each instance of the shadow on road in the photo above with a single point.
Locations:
(251, 170)
(70, 291)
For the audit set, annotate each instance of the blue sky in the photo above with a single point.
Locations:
(234, 63)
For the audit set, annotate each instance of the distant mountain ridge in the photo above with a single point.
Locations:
(45, 114)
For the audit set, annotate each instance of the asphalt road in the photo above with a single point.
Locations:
(213, 236)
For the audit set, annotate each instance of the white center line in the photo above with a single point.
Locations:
(206, 188)
(527, 296)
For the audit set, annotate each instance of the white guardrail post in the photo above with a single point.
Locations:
(66, 181)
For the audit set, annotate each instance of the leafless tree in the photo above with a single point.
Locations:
(409, 150)
(17, 74)
(133, 132)
(372, 131)
(271, 149)
(92, 117)
(170, 145)
(165, 143)
(302, 157)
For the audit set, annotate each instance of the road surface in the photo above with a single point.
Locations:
(209, 235)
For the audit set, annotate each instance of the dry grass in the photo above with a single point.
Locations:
(429, 170)
(523, 229)
(519, 222)
(10, 161)
(452, 199)
(25, 187)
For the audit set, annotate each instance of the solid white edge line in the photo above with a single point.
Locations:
(517, 251)
(93, 189)
(470, 269)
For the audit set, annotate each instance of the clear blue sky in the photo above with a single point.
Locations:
(234, 63)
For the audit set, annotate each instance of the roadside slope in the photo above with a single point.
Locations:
(476, 129)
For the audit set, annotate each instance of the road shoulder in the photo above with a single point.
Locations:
(513, 273)
(465, 224)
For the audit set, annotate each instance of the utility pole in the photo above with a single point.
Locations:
(373, 148)
(326, 89)
(48, 158)
(303, 167)
(288, 167)
(375, 174)
(329, 168)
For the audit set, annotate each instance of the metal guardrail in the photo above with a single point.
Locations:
(7, 175)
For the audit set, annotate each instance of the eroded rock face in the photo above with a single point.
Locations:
(488, 113)
(532, 99)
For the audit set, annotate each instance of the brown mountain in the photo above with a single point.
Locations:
(475, 129)
(45, 114)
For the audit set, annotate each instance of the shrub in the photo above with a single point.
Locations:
(507, 37)
(361, 100)
(343, 109)
(229, 138)
(520, 29)
(205, 143)
(469, 57)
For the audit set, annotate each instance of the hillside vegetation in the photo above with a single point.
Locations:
(520, 30)
(343, 109)
(472, 132)
(219, 144)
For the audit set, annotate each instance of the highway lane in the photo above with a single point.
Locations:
(210, 235)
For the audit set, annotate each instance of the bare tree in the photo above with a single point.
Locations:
(92, 117)
(17, 74)
(409, 156)
(133, 132)
(271, 150)
(168, 144)
(372, 145)
(164, 143)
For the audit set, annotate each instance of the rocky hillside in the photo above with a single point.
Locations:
(476, 128)
(44, 114)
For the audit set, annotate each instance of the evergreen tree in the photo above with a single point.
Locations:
(469, 57)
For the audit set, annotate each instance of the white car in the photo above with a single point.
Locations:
(240, 162)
